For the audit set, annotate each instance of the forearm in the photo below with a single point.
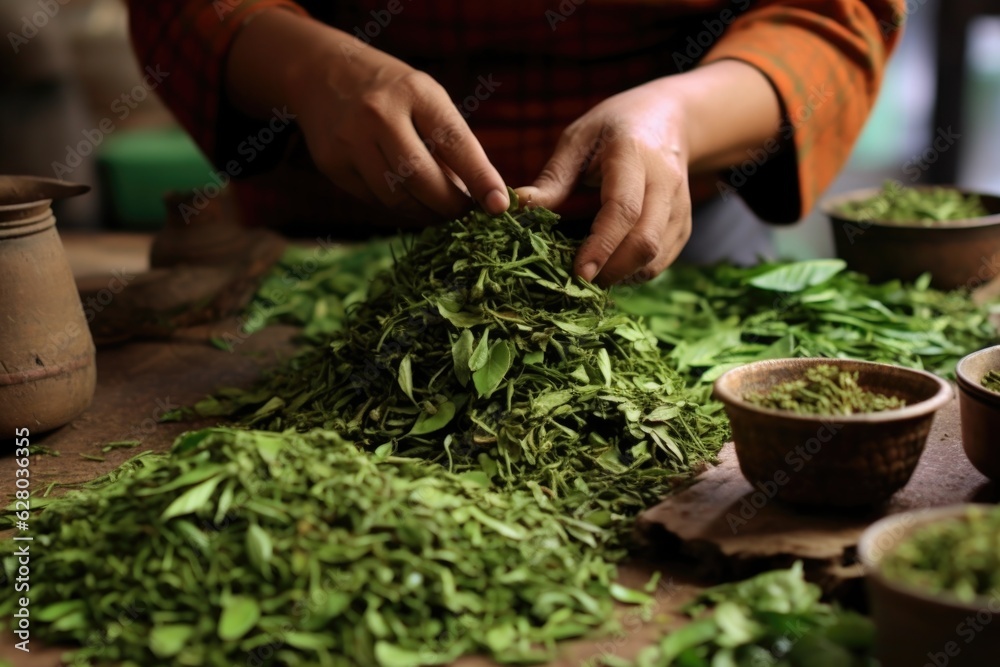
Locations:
(728, 107)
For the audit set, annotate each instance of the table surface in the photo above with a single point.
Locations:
(137, 381)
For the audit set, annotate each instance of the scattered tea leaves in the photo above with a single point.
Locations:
(774, 619)
(713, 319)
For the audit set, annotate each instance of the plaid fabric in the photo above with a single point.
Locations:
(520, 72)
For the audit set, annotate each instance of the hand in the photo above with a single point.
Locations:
(634, 146)
(388, 133)
(377, 128)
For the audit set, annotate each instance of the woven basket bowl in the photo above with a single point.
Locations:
(832, 461)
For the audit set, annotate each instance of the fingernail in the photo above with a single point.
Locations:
(496, 201)
(642, 275)
(588, 271)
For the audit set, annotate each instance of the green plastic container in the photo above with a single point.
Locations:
(139, 166)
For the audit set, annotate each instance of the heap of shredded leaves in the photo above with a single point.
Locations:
(715, 319)
(824, 390)
(481, 351)
(959, 558)
(248, 547)
(896, 203)
(992, 381)
(774, 619)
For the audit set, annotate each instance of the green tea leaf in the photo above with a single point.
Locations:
(239, 615)
(481, 353)
(461, 354)
(489, 376)
(194, 499)
(798, 276)
(166, 641)
(405, 376)
(259, 547)
(429, 423)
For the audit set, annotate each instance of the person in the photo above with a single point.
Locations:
(619, 112)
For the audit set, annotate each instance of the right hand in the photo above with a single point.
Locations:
(389, 134)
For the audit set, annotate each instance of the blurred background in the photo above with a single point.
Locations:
(72, 86)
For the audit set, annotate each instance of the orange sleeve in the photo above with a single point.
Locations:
(826, 60)
(184, 44)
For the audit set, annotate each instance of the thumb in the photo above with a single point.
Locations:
(556, 180)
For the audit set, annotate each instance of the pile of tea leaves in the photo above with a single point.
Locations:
(717, 318)
(824, 390)
(481, 351)
(250, 547)
(897, 203)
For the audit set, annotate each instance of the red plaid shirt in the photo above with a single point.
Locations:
(521, 72)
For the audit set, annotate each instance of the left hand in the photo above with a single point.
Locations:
(635, 147)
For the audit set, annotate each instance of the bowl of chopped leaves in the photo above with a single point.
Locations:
(934, 586)
(829, 432)
(979, 401)
(901, 232)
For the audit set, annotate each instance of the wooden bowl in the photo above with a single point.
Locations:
(913, 627)
(835, 460)
(980, 410)
(959, 253)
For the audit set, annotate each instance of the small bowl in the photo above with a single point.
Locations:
(980, 410)
(831, 460)
(914, 627)
(958, 253)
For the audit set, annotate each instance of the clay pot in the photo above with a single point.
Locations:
(47, 368)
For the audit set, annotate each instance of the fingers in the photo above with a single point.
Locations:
(559, 175)
(457, 147)
(646, 250)
(644, 220)
(386, 186)
(417, 174)
(623, 189)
